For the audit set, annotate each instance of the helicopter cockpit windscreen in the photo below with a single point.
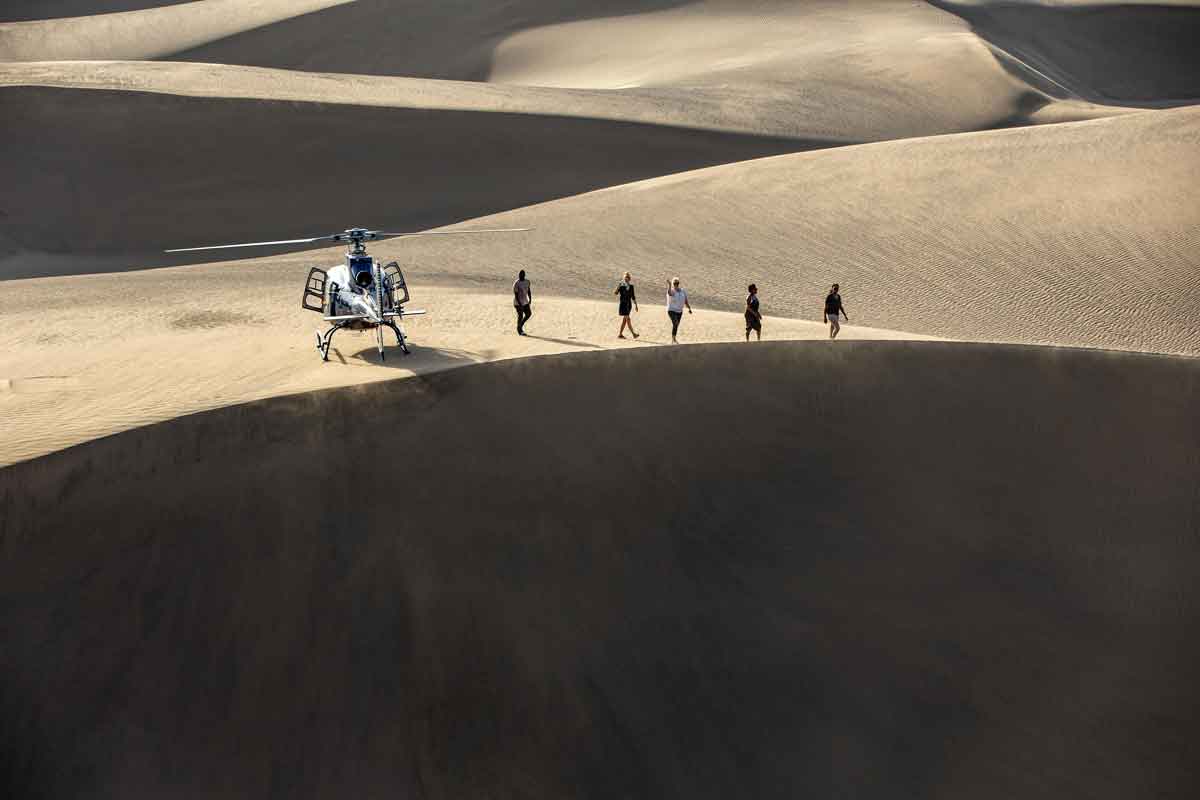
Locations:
(362, 270)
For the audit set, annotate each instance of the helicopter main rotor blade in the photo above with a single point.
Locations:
(381, 234)
(255, 244)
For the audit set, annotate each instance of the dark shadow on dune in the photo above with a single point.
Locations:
(95, 174)
(574, 342)
(1104, 53)
(351, 349)
(1024, 107)
(448, 40)
(873, 570)
(30, 10)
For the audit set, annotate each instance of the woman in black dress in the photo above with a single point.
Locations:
(628, 303)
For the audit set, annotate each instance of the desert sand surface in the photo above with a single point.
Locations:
(1085, 252)
(789, 570)
(116, 363)
(566, 565)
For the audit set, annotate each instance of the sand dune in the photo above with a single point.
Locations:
(32, 10)
(151, 32)
(109, 183)
(1106, 52)
(451, 40)
(1086, 233)
(820, 62)
(88, 356)
(133, 173)
(815, 64)
(981, 236)
(934, 570)
(602, 568)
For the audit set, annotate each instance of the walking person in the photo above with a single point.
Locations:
(753, 316)
(522, 301)
(677, 300)
(833, 307)
(627, 302)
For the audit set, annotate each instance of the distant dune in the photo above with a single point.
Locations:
(1051, 234)
(579, 97)
(32, 10)
(95, 31)
(154, 171)
(818, 64)
(1106, 52)
(884, 570)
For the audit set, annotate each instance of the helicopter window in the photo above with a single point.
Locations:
(363, 270)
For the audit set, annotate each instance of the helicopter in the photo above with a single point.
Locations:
(360, 294)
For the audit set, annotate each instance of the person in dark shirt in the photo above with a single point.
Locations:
(627, 303)
(522, 301)
(833, 307)
(753, 317)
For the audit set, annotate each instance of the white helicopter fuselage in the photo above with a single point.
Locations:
(346, 297)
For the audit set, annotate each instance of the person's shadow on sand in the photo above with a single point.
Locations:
(574, 342)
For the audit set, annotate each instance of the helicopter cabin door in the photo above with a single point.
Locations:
(393, 278)
(314, 291)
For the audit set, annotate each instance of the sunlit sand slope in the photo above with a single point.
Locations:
(1086, 233)
(879, 570)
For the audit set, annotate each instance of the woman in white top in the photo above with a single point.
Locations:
(677, 300)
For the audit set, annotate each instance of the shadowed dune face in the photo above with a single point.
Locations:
(881, 570)
(450, 39)
(1127, 52)
(191, 167)
(26, 10)
(820, 63)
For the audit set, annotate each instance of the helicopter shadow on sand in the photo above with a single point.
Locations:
(421, 359)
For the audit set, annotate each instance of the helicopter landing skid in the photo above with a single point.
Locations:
(325, 340)
(399, 336)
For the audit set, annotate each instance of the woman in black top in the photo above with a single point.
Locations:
(628, 303)
(833, 307)
(753, 317)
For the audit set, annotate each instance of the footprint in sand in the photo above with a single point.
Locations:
(36, 384)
